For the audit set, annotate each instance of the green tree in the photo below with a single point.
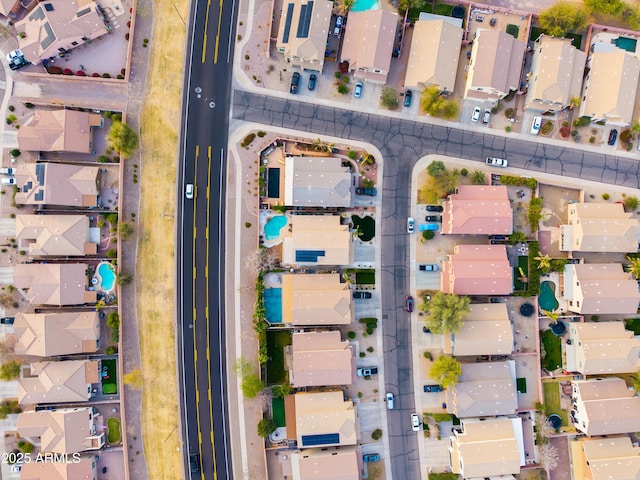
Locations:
(446, 370)
(279, 391)
(266, 427)
(433, 102)
(478, 177)
(544, 263)
(123, 139)
(125, 229)
(25, 447)
(636, 382)
(517, 237)
(436, 168)
(123, 279)
(562, 18)
(604, 7)
(630, 203)
(445, 312)
(10, 371)
(251, 384)
(376, 434)
(113, 321)
(389, 98)
(634, 267)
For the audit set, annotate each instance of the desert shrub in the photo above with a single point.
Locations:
(464, 172)
(606, 196)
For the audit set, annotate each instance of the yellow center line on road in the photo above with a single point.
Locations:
(215, 53)
(206, 263)
(206, 27)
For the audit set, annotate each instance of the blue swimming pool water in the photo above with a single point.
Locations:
(362, 5)
(107, 276)
(547, 299)
(273, 226)
(273, 304)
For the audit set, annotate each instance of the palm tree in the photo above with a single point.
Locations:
(357, 233)
(634, 268)
(553, 316)
(635, 128)
(544, 262)
(575, 102)
(345, 5)
(123, 279)
(478, 177)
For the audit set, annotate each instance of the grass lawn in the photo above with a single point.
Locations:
(366, 277)
(114, 436)
(367, 226)
(426, 6)
(522, 385)
(513, 30)
(277, 408)
(633, 324)
(551, 392)
(276, 341)
(110, 382)
(523, 263)
(553, 349)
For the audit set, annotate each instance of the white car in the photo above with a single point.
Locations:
(415, 422)
(188, 191)
(487, 116)
(8, 181)
(411, 225)
(535, 126)
(496, 162)
(389, 399)
(476, 114)
(7, 171)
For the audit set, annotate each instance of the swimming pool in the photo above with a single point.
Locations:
(626, 43)
(273, 226)
(106, 276)
(547, 299)
(273, 305)
(362, 5)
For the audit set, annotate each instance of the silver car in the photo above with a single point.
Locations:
(496, 162)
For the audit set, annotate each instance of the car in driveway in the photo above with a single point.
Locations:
(361, 294)
(428, 227)
(434, 208)
(429, 267)
(339, 21)
(16, 59)
(411, 225)
(372, 192)
(433, 218)
(389, 399)
(7, 171)
(366, 372)
(295, 82)
(535, 126)
(415, 422)
(475, 116)
(313, 79)
(496, 162)
(408, 95)
(357, 91)
(408, 303)
(433, 388)
(8, 181)
(486, 116)
(370, 457)
(613, 136)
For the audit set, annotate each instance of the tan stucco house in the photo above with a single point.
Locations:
(317, 240)
(58, 382)
(59, 131)
(343, 463)
(613, 457)
(80, 469)
(317, 182)
(55, 235)
(486, 331)
(319, 359)
(54, 284)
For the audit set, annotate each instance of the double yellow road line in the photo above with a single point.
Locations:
(206, 28)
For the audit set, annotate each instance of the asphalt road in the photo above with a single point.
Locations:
(200, 259)
(402, 143)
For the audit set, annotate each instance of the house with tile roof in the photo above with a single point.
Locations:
(317, 240)
(58, 184)
(58, 382)
(596, 348)
(317, 182)
(54, 283)
(488, 448)
(557, 69)
(67, 430)
(368, 44)
(604, 458)
(477, 270)
(55, 235)
(59, 130)
(600, 288)
(54, 28)
(80, 469)
(315, 299)
(49, 334)
(604, 406)
(303, 31)
(319, 359)
(343, 463)
(434, 53)
(478, 210)
(483, 390)
(486, 330)
(599, 227)
(495, 65)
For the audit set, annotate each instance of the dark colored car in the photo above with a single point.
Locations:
(434, 208)
(433, 388)
(295, 81)
(370, 457)
(313, 78)
(366, 191)
(408, 95)
(426, 330)
(409, 303)
(613, 136)
(433, 218)
(194, 463)
(361, 294)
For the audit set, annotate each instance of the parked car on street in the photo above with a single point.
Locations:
(409, 303)
(389, 399)
(496, 162)
(415, 422)
(476, 114)
(313, 78)
(295, 81)
(357, 91)
(433, 388)
(433, 218)
(411, 225)
(535, 126)
(434, 208)
(613, 136)
(366, 372)
(408, 95)
(361, 294)
(486, 117)
(366, 191)
(429, 267)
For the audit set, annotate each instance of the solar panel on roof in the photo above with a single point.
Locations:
(304, 21)
(40, 173)
(29, 185)
(48, 7)
(287, 23)
(39, 196)
(322, 439)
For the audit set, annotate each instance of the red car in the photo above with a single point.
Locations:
(409, 303)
